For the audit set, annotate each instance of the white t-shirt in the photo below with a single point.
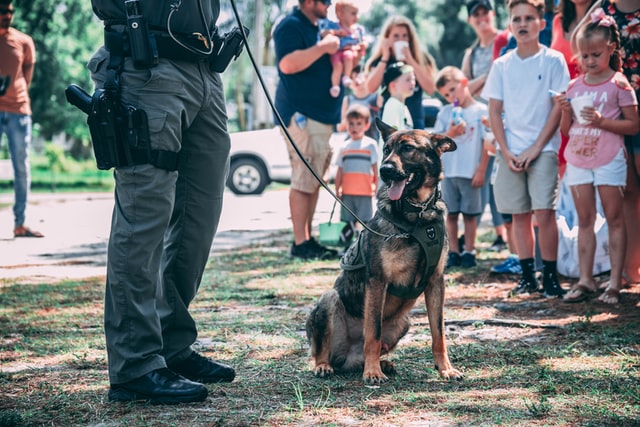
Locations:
(464, 161)
(396, 114)
(523, 86)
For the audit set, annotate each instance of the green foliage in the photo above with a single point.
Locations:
(65, 33)
(55, 169)
(55, 156)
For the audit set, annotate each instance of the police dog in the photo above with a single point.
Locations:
(400, 257)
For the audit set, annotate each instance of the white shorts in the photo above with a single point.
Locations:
(613, 173)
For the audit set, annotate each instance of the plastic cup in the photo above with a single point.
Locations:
(578, 104)
(397, 49)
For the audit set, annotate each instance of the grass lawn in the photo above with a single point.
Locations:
(527, 361)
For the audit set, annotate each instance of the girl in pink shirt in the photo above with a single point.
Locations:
(595, 153)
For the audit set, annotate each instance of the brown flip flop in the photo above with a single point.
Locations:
(23, 231)
(578, 293)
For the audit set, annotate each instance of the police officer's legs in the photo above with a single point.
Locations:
(145, 310)
(143, 204)
(203, 165)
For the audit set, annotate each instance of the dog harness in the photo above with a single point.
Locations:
(429, 234)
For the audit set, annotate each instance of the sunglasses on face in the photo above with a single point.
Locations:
(6, 11)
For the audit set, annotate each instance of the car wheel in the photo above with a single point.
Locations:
(247, 176)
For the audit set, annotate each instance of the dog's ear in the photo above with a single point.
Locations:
(385, 129)
(442, 143)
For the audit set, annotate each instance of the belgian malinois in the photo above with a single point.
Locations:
(400, 257)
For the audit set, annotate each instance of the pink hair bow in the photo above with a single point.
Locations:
(602, 19)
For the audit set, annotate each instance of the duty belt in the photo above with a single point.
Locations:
(117, 43)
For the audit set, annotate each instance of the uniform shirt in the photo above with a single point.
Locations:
(590, 147)
(463, 162)
(356, 160)
(307, 91)
(523, 87)
(16, 51)
(186, 21)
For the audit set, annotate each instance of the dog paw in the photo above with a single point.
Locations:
(374, 377)
(387, 367)
(451, 374)
(323, 370)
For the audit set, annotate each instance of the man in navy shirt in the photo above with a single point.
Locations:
(309, 112)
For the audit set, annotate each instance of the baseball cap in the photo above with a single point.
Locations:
(392, 72)
(474, 4)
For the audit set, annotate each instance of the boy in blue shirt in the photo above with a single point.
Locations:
(464, 169)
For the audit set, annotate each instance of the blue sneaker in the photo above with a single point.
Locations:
(454, 260)
(468, 260)
(510, 266)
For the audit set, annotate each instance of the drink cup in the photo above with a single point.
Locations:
(397, 49)
(578, 104)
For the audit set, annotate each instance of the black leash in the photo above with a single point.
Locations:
(290, 139)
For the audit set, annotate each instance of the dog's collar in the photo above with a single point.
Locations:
(413, 212)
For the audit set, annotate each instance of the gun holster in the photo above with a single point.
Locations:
(119, 131)
(116, 131)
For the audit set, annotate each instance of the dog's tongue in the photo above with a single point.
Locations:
(396, 188)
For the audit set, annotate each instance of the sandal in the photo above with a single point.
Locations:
(578, 293)
(610, 296)
(23, 231)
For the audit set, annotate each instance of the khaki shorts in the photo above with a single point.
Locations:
(313, 143)
(523, 192)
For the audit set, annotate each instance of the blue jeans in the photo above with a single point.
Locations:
(17, 127)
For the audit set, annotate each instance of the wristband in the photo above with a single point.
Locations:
(383, 61)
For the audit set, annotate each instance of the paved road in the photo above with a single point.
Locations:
(76, 229)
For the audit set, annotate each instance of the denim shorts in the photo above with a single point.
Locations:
(613, 173)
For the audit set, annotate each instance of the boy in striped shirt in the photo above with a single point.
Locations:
(357, 176)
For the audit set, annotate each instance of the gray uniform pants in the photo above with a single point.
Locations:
(163, 222)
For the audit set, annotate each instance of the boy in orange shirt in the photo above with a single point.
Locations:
(357, 176)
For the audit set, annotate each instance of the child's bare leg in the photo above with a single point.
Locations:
(348, 65)
(511, 241)
(548, 233)
(336, 73)
(452, 232)
(470, 228)
(585, 202)
(523, 235)
(612, 203)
